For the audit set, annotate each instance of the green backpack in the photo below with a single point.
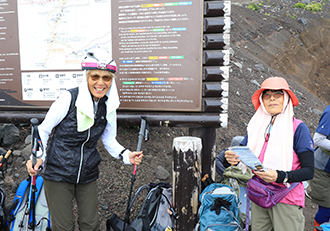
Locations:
(235, 178)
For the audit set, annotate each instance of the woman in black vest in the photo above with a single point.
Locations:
(78, 119)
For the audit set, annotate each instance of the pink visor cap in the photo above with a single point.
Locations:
(98, 59)
(100, 66)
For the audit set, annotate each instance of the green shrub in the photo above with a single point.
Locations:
(300, 5)
(293, 16)
(253, 6)
(314, 7)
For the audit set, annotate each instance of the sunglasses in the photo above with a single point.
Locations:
(105, 78)
(275, 94)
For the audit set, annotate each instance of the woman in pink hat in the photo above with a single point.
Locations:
(285, 147)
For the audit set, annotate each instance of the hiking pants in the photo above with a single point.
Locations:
(279, 218)
(60, 197)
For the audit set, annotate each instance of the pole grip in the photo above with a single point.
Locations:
(141, 137)
(3, 158)
(8, 153)
(34, 140)
(141, 133)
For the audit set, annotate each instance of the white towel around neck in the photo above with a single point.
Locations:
(279, 152)
(85, 105)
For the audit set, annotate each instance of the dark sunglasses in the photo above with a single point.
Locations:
(105, 78)
(269, 94)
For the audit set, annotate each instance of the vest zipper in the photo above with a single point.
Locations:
(82, 155)
(96, 105)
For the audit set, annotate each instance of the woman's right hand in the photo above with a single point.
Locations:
(33, 171)
(231, 157)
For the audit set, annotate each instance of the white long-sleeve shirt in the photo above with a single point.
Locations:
(59, 110)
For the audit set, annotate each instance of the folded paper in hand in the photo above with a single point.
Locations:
(248, 158)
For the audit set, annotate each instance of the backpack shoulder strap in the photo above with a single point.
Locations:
(3, 197)
(2, 208)
(20, 192)
(151, 198)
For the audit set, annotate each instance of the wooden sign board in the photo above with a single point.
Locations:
(157, 47)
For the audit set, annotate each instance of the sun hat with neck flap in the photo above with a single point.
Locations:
(273, 83)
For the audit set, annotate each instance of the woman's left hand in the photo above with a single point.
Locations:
(135, 157)
(270, 176)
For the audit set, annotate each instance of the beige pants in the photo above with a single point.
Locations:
(282, 217)
(60, 196)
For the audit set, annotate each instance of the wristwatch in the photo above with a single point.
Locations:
(286, 178)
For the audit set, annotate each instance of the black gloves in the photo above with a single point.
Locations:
(218, 203)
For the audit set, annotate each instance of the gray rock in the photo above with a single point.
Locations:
(10, 135)
(17, 153)
(255, 82)
(317, 111)
(14, 186)
(306, 2)
(9, 180)
(302, 21)
(239, 65)
(105, 207)
(162, 173)
(20, 160)
(26, 152)
(260, 67)
(27, 140)
(2, 150)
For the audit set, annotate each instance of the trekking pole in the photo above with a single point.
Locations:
(142, 134)
(4, 158)
(20, 225)
(35, 146)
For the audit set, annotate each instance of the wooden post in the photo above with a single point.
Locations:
(186, 180)
(208, 136)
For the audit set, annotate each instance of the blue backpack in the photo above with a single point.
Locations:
(19, 218)
(325, 226)
(219, 210)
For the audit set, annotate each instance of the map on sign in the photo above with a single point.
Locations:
(55, 34)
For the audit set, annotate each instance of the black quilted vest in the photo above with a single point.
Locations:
(71, 155)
